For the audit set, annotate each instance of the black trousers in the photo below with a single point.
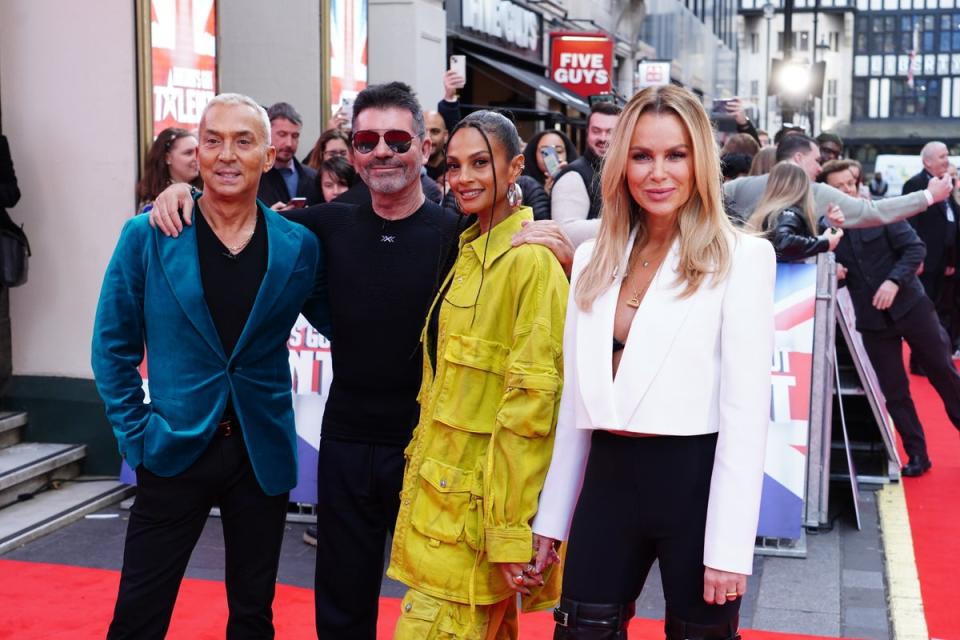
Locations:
(358, 496)
(930, 348)
(644, 499)
(941, 289)
(165, 522)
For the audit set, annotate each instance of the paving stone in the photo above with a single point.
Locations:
(862, 633)
(857, 597)
(867, 618)
(811, 584)
(794, 621)
(857, 579)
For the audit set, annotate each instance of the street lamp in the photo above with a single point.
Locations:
(768, 12)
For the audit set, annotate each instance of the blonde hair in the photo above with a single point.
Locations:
(763, 161)
(787, 186)
(705, 232)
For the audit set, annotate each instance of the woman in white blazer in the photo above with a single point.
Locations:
(663, 419)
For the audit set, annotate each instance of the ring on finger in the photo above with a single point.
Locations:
(732, 595)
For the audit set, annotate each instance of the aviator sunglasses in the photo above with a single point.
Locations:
(366, 141)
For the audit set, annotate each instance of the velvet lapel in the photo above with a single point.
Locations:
(181, 265)
(283, 252)
(653, 331)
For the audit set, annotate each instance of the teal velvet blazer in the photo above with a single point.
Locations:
(152, 295)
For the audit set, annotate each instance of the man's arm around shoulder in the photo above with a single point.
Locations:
(316, 308)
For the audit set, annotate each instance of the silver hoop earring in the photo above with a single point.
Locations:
(514, 195)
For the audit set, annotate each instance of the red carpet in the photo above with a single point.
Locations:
(932, 502)
(54, 602)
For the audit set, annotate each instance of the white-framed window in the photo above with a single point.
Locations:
(834, 41)
(889, 65)
(885, 98)
(832, 98)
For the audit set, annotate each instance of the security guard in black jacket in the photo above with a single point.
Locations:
(891, 305)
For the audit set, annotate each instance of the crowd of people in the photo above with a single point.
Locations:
(537, 355)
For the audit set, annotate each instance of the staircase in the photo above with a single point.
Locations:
(41, 486)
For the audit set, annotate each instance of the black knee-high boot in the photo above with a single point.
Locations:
(677, 629)
(587, 621)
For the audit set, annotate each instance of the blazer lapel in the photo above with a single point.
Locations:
(595, 351)
(652, 333)
(283, 252)
(181, 264)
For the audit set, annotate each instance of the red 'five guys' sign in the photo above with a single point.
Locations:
(581, 62)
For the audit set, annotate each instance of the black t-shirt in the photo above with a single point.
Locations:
(382, 277)
(230, 282)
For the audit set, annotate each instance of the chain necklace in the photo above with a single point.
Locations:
(640, 291)
(237, 248)
(233, 249)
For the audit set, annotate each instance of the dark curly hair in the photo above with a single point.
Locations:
(156, 175)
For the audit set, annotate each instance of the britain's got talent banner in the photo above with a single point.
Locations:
(311, 372)
(784, 479)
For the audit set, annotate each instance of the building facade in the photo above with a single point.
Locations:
(905, 77)
(892, 75)
(821, 32)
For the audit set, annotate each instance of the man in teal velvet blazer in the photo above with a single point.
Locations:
(214, 309)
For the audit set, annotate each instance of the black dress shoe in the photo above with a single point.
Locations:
(916, 467)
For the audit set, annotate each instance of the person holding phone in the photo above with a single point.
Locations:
(288, 179)
(546, 154)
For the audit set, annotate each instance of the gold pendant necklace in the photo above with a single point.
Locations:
(638, 293)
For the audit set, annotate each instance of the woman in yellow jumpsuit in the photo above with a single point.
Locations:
(492, 376)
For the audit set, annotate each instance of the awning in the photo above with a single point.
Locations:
(540, 83)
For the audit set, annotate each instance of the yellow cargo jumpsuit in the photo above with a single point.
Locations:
(482, 447)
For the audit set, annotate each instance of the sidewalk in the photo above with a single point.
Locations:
(838, 591)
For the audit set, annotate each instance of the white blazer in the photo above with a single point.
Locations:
(691, 366)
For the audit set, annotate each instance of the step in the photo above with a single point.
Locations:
(29, 467)
(55, 508)
(12, 426)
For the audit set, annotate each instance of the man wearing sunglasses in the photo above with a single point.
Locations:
(385, 261)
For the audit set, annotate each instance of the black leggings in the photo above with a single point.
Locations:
(644, 499)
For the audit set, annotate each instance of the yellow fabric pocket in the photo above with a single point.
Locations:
(440, 508)
(472, 386)
(529, 403)
(418, 615)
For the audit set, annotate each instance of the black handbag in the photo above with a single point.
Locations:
(14, 252)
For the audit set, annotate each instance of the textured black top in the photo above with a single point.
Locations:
(382, 277)
(230, 283)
